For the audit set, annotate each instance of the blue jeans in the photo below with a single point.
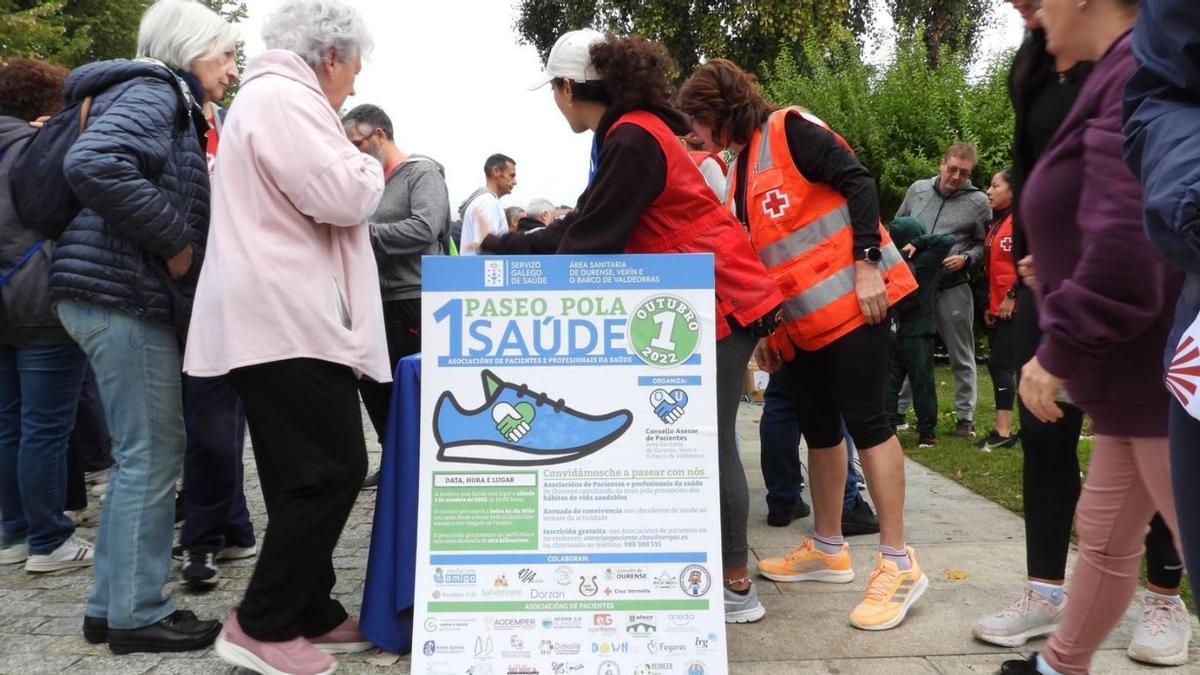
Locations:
(137, 365)
(1185, 440)
(39, 387)
(214, 502)
(779, 435)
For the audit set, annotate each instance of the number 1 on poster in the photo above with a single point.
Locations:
(666, 326)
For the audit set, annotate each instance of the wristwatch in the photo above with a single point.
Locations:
(1011, 294)
(870, 254)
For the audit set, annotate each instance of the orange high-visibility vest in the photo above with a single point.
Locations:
(803, 235)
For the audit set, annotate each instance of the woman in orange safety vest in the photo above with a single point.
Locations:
(812, 212)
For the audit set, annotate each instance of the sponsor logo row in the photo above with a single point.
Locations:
(464, 582)
(565, 667)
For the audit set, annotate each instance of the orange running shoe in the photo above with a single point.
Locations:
(806, 563)
(890, 593)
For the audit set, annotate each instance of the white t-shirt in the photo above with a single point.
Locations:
(483, 216)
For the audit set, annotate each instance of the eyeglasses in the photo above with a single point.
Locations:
(360, 142)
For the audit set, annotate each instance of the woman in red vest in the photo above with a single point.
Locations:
(645, 195)
(1001, 274)
(813, 216)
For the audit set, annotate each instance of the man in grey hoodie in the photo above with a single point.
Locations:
(413, 219)
(949, 204)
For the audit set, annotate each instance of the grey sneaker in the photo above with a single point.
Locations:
(743, 608)
(71, 553)
(1161, 637)
(1026, 617)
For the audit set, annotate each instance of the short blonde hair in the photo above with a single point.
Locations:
(177, 32)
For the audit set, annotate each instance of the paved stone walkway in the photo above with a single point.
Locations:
(805, 631)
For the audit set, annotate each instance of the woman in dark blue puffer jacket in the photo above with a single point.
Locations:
(122, 279)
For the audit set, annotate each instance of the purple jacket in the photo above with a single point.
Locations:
(1106, 297)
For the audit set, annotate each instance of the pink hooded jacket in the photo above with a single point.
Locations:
(288, 270)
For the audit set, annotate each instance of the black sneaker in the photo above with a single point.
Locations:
(964, 429)
(860, 519)
(927, 441)
(1020, 666)
(200, 570)
(1009, 442)
(371, 482)
(992, 439)
(784, 518)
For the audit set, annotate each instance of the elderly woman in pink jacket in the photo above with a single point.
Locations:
(288, 305)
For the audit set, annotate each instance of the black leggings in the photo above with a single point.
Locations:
(1000, 364)
(1051, 481)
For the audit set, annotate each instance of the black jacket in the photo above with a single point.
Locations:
(141, 174)
(1041, 99)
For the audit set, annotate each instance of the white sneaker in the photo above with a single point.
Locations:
(1027, 616)
(13, 553)
(71, 553)
(238, 552)
(1161, 637)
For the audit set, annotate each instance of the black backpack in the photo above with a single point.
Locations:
(40, 194)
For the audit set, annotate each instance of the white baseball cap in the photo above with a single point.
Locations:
(571, 59)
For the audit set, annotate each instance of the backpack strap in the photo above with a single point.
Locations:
(83, 113)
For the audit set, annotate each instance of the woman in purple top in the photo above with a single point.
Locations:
(1106, 303)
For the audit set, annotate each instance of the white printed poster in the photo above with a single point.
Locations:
(569, 513)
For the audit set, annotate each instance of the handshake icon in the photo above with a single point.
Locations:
(669, 405)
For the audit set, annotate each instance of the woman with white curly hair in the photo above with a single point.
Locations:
(288, 306)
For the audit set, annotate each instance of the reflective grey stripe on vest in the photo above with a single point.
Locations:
(764, 147)
(805, 238)
(829, 290)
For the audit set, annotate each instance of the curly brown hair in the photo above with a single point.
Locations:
(30, 88)
(725, 97)
(634, 74)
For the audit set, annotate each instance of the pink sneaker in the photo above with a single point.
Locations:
(293, 657)
(345, 639)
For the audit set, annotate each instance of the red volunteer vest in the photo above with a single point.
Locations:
(803, 236)
(686, 217)
(998, 264)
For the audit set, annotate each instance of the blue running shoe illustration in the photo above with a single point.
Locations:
(519, 427)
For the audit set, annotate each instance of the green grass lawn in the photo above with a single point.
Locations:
(995, 475)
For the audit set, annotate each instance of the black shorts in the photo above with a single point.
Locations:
(843, 380)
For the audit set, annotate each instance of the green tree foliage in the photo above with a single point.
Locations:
(954, 25)
(70, 32)
(74, 32)
(748, 32)
(901, 116)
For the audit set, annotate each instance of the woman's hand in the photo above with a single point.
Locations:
(181, 263)
(909, 250)
(1008, 307)
(766, 357)
(989, 319)
(872, 294)
(1025, 269)
(1038, 389)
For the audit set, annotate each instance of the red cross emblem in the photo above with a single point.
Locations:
(1006, 244)
(775, 203)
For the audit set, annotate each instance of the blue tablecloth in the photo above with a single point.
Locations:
(387, 607)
